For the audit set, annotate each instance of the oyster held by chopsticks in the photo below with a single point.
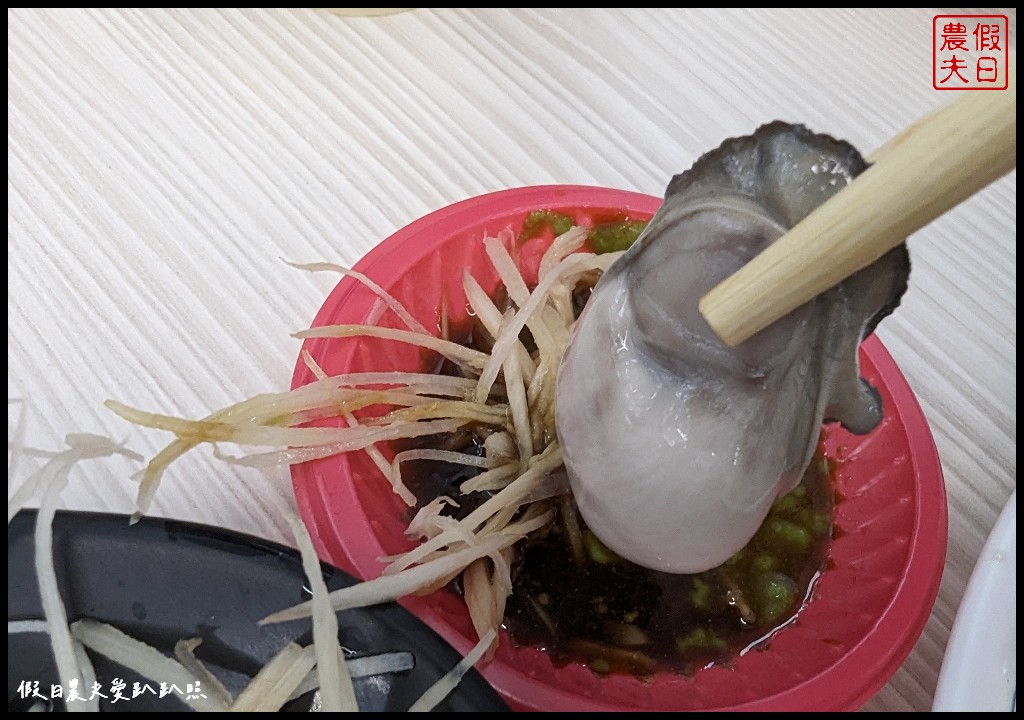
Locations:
(676, 445)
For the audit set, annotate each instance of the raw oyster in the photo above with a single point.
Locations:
(676, 445)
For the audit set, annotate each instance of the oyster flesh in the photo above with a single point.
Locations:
(676, 445)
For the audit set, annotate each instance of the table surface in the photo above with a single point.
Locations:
(162, 163)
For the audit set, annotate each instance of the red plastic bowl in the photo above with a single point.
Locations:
(868, 608)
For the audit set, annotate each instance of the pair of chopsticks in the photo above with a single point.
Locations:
(927, 169)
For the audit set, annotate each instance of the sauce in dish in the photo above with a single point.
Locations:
(581, 602)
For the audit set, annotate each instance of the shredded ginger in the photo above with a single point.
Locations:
(505, 396)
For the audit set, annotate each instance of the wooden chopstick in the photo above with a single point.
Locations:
(927, 169)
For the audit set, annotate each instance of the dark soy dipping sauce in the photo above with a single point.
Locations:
(619, 617)
(595, 608)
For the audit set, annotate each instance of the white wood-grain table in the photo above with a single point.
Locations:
(162, 163)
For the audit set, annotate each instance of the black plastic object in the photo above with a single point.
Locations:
(161, 581)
